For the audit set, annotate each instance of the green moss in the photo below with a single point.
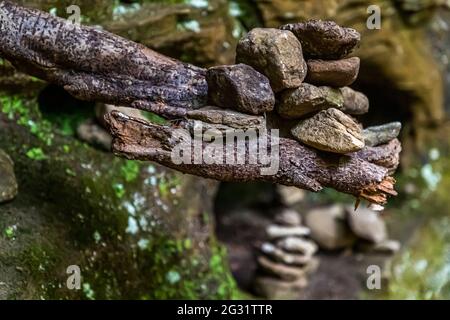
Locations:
(36, 154)
(10, 232)
(159, 261)
(26, 114)
(119, 189)
(130, 170)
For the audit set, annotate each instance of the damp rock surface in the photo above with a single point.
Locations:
(275, 53)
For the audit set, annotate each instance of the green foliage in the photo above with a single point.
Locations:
(130, 170)
(10, 232)
(36, 154)
(17, 109)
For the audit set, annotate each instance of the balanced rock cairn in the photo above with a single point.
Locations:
(302, 72)
(286, 259)
(298, 77)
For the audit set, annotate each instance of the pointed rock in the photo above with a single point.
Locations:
(275, 53)
(354, 102)
(330, 130)
(306, 99)
(240, 87)
(334, 73)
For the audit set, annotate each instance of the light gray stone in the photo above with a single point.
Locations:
(329, 228)
(367, 224)
(330, 130)
(288, 217)
(275, 231)
(374, 136)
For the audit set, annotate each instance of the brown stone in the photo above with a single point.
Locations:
(330, 130)
(275, 53)
(334, 73)
(240, 87)
(306, 99)
(324, 39)
(354, 102)
(280, 270)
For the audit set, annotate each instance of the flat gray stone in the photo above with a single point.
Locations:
(275, 231)
(374, 136)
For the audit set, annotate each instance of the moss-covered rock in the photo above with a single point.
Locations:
(135, 230)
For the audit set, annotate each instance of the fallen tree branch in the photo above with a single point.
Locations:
(298, 166)
(95, 65)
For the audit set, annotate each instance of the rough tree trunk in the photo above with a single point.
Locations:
(99, 66)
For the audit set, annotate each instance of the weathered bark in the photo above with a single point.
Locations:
(298, 165)
(95, 65)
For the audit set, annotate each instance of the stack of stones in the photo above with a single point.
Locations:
(286, 259)
(301, 71)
